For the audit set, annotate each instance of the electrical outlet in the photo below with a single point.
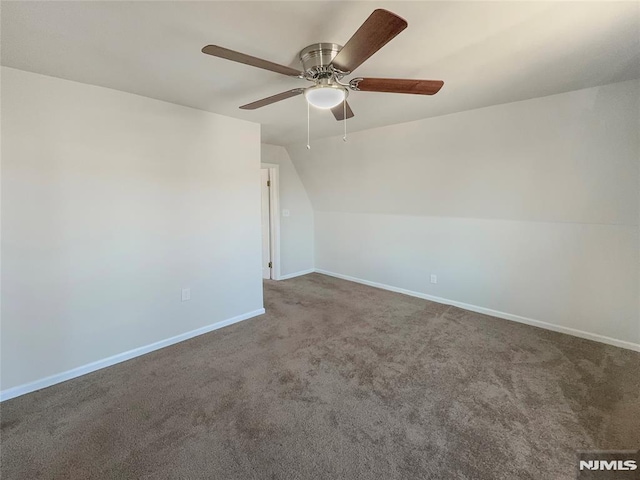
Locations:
(285, 213)
(186, 294)
(434, 278)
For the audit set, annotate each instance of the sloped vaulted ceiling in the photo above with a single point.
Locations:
(486, 52)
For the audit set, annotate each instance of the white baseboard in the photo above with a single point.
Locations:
(494, 313)
(120, 357)
(297, 274)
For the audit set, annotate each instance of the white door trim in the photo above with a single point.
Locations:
(265, 215)
(274, 216)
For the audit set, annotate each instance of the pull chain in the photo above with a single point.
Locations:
(308, 134)
(344, 110)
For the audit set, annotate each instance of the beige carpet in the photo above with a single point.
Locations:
(337, 381)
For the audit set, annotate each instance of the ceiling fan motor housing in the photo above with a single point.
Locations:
(316, 59)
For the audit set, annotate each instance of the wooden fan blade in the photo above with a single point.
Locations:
(234, 56)
(397, 85)
(338, 111)
(272, 99)
(376, 31)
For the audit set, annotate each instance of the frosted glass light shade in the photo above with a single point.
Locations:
(325, 96)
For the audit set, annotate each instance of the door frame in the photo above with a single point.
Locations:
(274, 217)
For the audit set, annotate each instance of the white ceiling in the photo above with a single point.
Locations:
(487, 53)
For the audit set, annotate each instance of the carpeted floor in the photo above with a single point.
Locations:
(337, 381)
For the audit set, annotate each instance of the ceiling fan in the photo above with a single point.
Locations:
(325, 64)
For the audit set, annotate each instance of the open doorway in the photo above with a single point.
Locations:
(270, 221)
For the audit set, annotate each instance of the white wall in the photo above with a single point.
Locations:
(529, 208)
(296, 230)
(111, 203)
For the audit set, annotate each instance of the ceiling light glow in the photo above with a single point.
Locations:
(325, 96)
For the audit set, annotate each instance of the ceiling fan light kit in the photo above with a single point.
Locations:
(326, 64)
(325, 96)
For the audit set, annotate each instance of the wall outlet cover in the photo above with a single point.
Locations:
(186, 294)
